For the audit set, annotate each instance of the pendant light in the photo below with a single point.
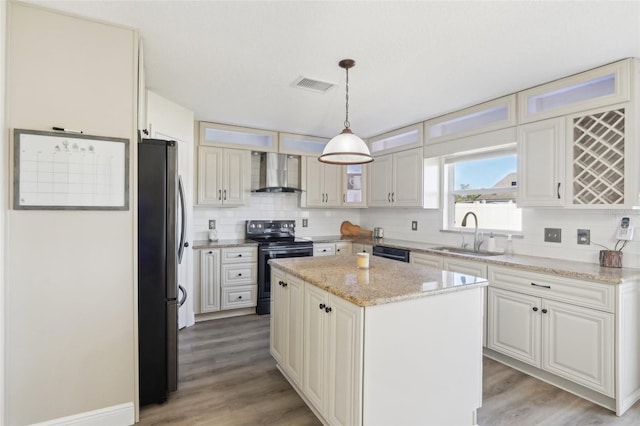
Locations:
(346, 148)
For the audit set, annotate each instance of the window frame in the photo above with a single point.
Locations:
(450, 192)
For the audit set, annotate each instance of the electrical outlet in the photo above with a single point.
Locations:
(584, 236)
(212, 224)
(414, 225)
(305, 222)
(553, 235)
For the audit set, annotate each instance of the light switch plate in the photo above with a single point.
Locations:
(552, 235)
(414, 225)
(305, 222)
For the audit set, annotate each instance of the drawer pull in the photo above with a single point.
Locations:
(239, 274)
(239, 297)
(321, 306)
(240, 255)
(540, 285)
(544, 311)
(535, 309)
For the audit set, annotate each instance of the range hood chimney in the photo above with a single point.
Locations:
(274, 173)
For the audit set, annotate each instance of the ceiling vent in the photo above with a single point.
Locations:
(313, 85)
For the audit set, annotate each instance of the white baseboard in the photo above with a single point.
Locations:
(117, 415)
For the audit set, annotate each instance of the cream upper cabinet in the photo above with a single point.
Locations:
(224, 176)
(606, 85)
(395, 180)
(397, 140)
(323, 183)
(354, 182)
(581, 160)
(541, 163)
(485, 117)
(293, 144)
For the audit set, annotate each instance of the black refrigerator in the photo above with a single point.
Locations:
(161, 231)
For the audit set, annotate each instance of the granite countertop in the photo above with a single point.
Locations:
(565, 268)
(205, 244)
(386, 281)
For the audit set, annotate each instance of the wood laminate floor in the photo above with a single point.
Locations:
(227, 377)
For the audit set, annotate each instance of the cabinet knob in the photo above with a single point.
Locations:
(535, 309)
(324, 250)
(240, 255)
(239, 297)
(210, 252)
(284, 284)
(280, 283)
(239, 274)
(544, 311)
(321, 306)
(327, 309)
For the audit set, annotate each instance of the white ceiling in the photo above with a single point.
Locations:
(234, 62)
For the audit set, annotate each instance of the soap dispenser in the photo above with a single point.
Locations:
(508, 249)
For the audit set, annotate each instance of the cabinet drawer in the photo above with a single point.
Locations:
(239, 274)
(239, 254)
(426, 260)
(465, 267)
(343, 249)
(324, 250)
(576, 292)
(239, 297)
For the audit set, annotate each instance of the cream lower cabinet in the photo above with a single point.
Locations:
(225, 279)
(208, 268)
(342, 248)
(425, 260)
(361, 248)
(332, 362)
(286, 323)
(562, 326)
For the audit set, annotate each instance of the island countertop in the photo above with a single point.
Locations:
(386, 281)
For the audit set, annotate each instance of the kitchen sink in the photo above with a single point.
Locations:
(460, 250)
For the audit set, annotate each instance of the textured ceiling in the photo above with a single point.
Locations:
(234, 62)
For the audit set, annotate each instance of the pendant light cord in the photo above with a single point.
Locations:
(346, 120)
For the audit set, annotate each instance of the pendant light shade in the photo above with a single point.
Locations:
(346, 148)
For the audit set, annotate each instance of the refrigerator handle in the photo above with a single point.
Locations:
(183, 216)
(184, 295)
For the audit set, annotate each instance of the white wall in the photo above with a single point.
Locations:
(4, 162)
(69, 274)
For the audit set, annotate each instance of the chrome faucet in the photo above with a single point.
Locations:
(477, 240)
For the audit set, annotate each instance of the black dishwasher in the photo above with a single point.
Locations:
(401, 255)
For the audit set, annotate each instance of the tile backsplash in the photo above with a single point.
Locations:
(397, 225)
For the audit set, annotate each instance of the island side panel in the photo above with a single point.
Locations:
(423, 360)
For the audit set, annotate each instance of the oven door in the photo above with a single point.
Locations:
(264, 271)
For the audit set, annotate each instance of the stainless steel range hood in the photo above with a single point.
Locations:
(274, 173)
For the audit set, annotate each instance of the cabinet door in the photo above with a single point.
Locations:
(277, 324)
(314, 182)
(541, 163)
(236, 177)
(209, 176)
(514, 325)
(294, 295)
(209, 281)
(380, 181)
(407, 178)
(324, 249)
(578, 345)
(354, 182)
(332, 185)
(315, 346)
(344, 404)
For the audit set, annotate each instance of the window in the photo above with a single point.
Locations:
(484, 184)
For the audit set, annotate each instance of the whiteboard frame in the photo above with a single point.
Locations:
(17, 133)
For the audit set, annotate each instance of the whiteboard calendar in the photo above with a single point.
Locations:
(70, 171)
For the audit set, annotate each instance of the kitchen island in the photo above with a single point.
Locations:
(393, 344)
